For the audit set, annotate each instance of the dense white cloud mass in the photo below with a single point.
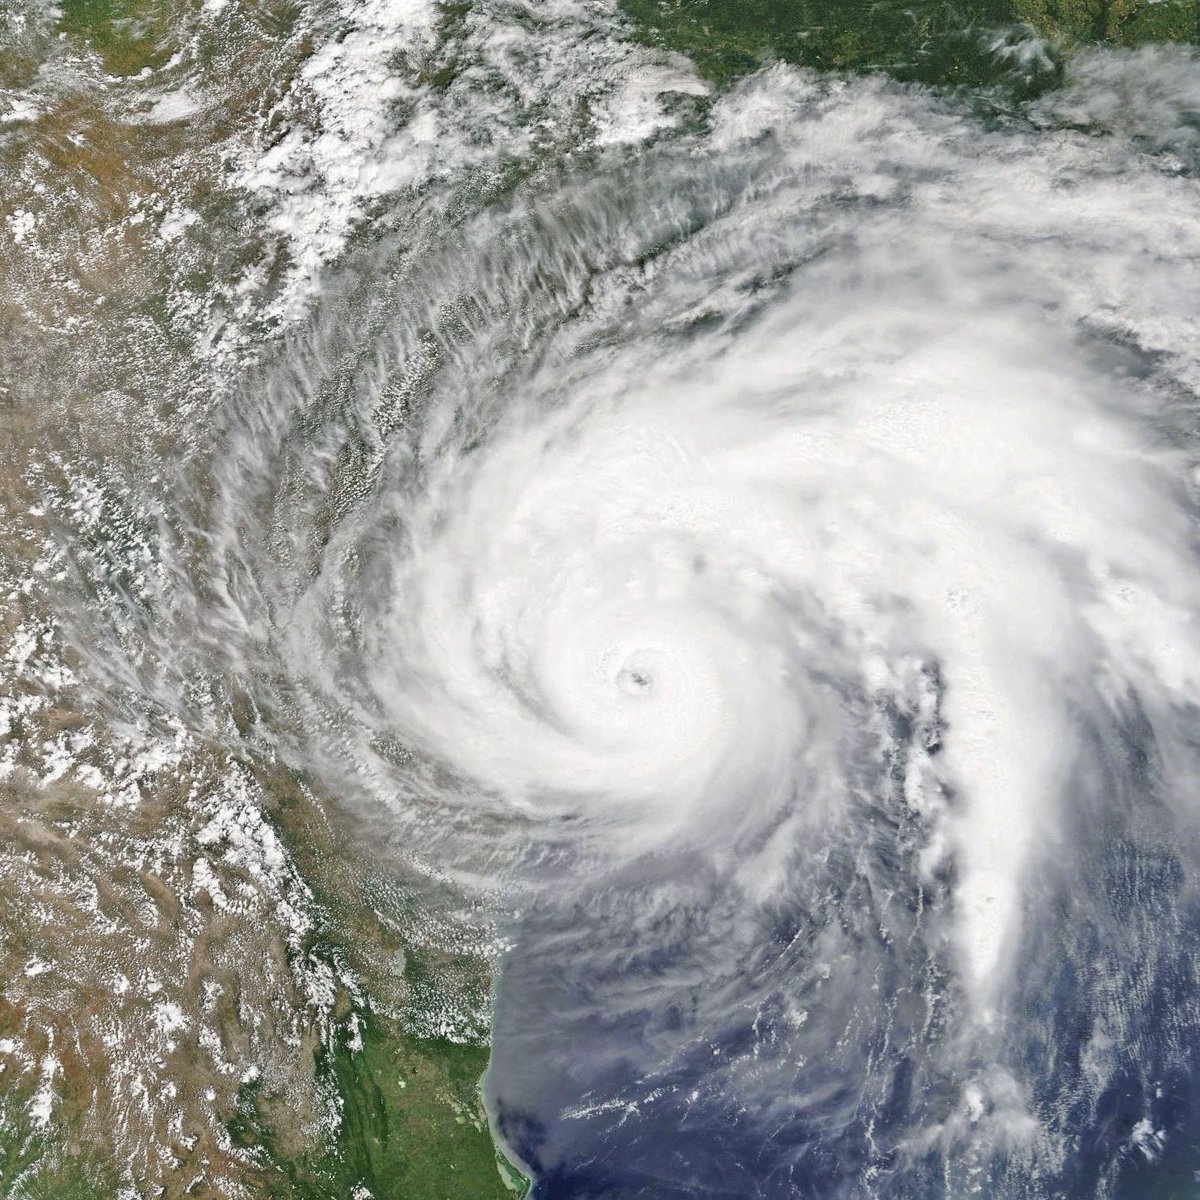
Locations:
(760, 544)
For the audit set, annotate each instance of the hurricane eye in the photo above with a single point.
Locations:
(634, 682)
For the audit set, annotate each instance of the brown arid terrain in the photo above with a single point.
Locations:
(205, 992)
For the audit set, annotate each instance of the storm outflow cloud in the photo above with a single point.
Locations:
(737, 562)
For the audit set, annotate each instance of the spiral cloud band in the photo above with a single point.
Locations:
(737, 563)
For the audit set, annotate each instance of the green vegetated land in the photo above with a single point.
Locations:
(412, 1119)
(32, 1166)
(929, 41)
(127, 34)
(411, 1125)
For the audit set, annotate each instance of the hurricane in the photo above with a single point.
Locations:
(752, 568)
